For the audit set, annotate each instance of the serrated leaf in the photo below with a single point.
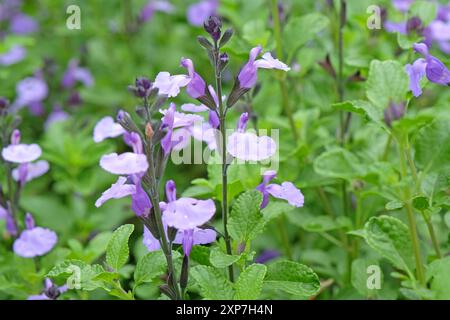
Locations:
(213, 284)
(390, 237)
(432, 146)
(394, 205)
(246, 220)
(220, 259)
(338, 163)
(293, 278)
(299, 30)
(360, 276)
(438, 273)
(387, 82)
(77, 274)
(250, 282)
(152, 265)
(117, 251)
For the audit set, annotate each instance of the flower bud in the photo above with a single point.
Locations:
(29, 221)
(223, 61)
(414, 24)
(3, 104)
(393, 112)
(212, 25)
(149, 131)
(15, 137)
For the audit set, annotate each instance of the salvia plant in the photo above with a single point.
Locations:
(292, 150)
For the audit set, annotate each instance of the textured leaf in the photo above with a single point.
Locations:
(390, 237)
(432, 145)
(387, 82)
(300, 30)
(438, 273)
(152, 265)
(250, 282)
(78, 274)
(213, 283)
(293, 278)
(220, 259)
(338, 163)
(117, 250)
(246, 220)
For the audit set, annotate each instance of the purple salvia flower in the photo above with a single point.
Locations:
(153, 6)
(242, 123)
(394, 112)
(140, 202)
(170, 85)
(432, 67)
(248, 146)
(171, 191)
(33, 170)
(188, 213)
(34, 242)
(75, 73)
(392, 27)
(107, 128)
(15, 137)
(30, 91)
(16, 54)
(23, 24)
(402, 5)
(51, 291)
(21, 153)
(167, 124)
(127, 163)
(134, 140)
(248, 75)
(286, 191)
(118, 190)
(191, 107)
(416, 72)
(11, 226)
(269, 62)
(57, 115)
(267, 255)
(29, 221)
(196, 87)
(199, 12)
(213, 119)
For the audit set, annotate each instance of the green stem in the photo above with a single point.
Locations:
(433, 237)
(222, 118)
(386, 148)
(154, 196)
(411, 217)
(285, 237)
(282, 80)
(430, 226)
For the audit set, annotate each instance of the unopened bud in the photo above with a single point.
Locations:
(149, 131)
(212, 25)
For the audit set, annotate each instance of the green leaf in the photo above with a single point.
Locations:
(212, 282)
(293, 278)
(117, 250)
(360, 276)
(438, 273)
(314, 223)
(420, 203)
(220, 259)
(425, 10)
(250, 282)
(387, 82)
(300, 30)
(152, 265)
(390, 237)
(338, 163)
(77, 274)
(361, 107)
(255, 33)
(394, 205)
(246, 220)
(432, 146)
